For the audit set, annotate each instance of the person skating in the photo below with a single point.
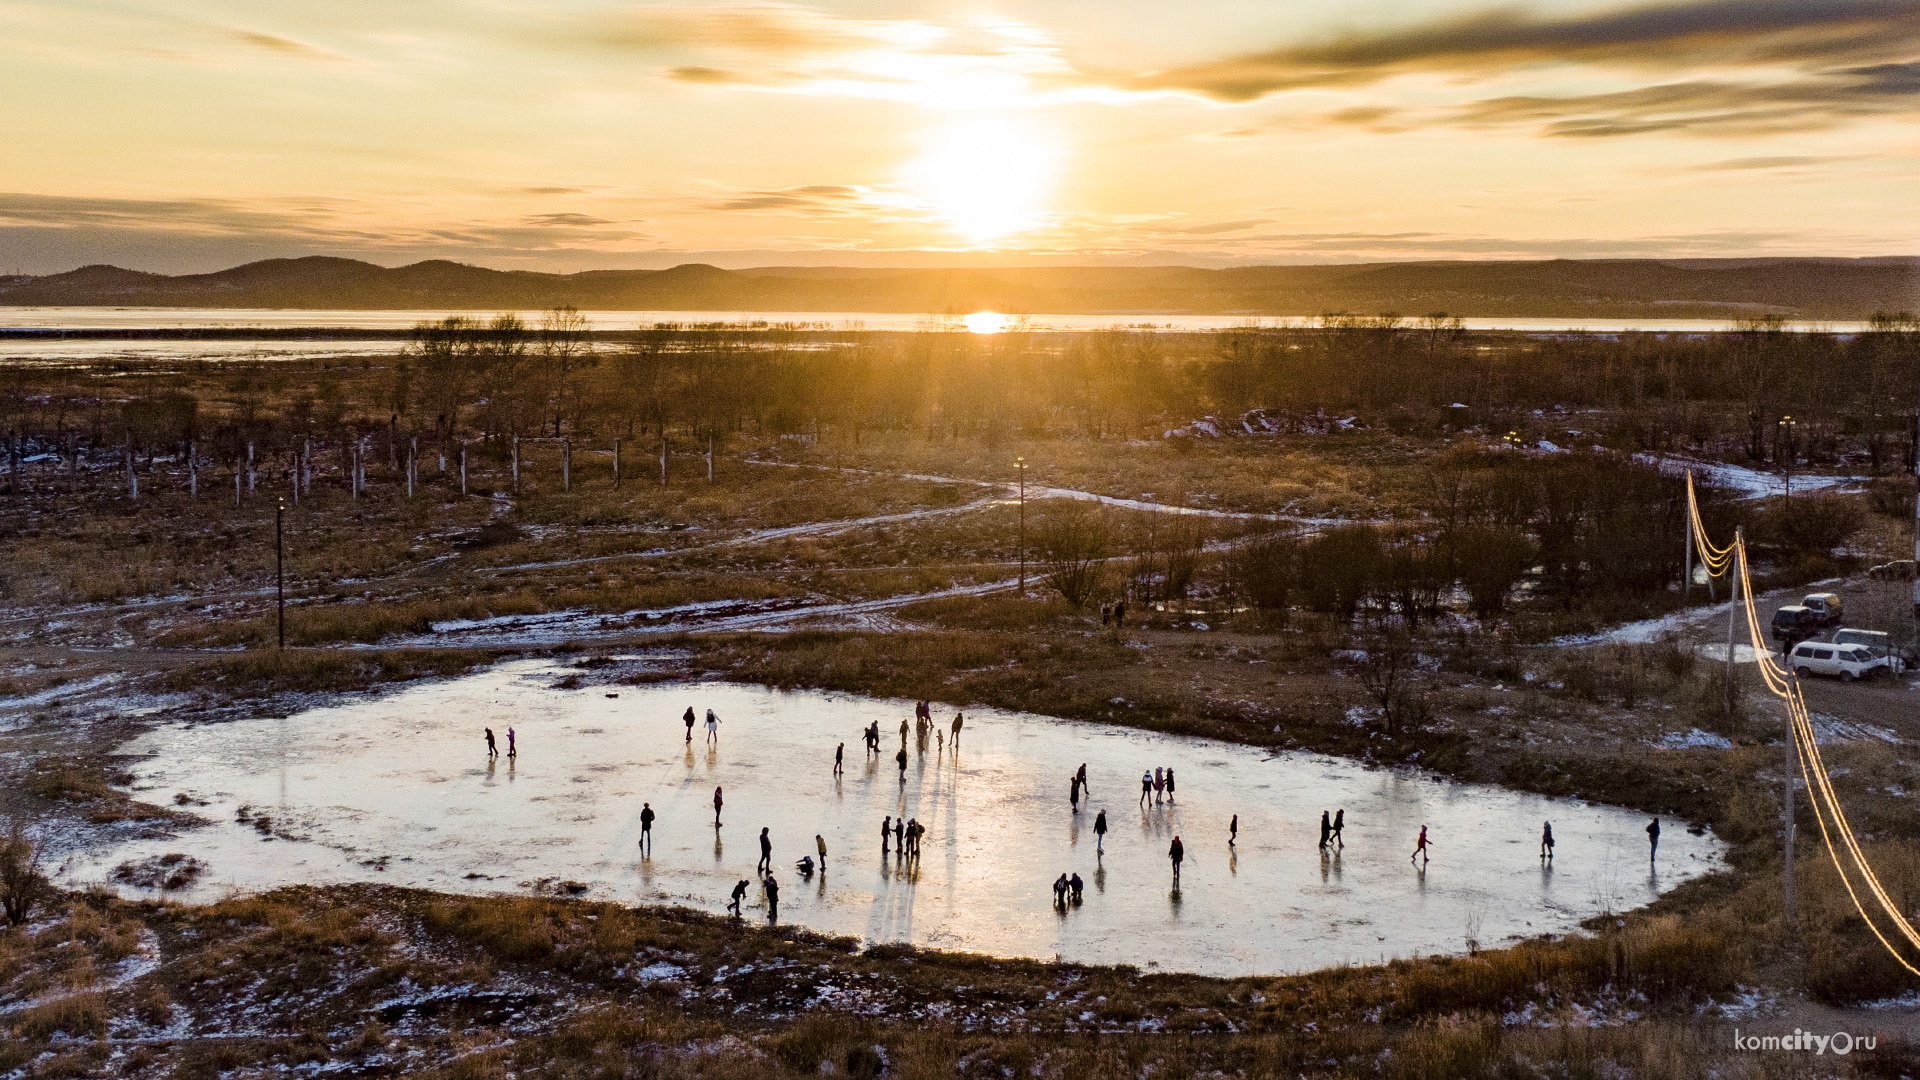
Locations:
(1326, 829)
(900, 837)
(1146, 787)
(839, 758)
(1060, 888)
(1076, 888)
(1653, 839)
(772, 887)
(886, 834)
(713, 727)
(1073, 792)
(646, 827)
(1169, 784)
(821, 843)
(957, 722)
(1233, 830)
(901, 760)
(493, 749)
(1178, 854)
(717, 801)
(903, 734)
(913, 838)
(1340, 827)
(1159, 783)
(689, 718)
(1420, 848)
(1546, 841)
(1082, 777)
(739, 891)
(1100, 833)
(765, 865)
(512, 750)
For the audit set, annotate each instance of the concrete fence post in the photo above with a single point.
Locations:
(566, 464)
(616, 464)
(193, 472)
(516, 464)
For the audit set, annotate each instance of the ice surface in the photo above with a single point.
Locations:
(399, 789)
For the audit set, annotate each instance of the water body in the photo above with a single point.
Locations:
(399, 789)
(130, 318)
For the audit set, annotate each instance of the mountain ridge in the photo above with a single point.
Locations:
(1801, 288)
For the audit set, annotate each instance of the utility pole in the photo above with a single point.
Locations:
(279, 572)
(516, 464)
(1021, 464)
(1787, 424)
(1735, 573)
(1792, 758)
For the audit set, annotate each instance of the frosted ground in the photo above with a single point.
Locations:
(398, 789)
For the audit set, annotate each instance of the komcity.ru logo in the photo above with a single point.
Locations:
(1839, 1042)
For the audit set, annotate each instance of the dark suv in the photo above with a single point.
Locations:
(1795, 623)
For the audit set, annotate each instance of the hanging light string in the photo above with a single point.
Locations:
(1828, 812)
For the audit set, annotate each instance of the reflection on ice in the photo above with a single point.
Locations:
(401, 789)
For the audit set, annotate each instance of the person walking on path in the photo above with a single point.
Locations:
(689, 718)
(713, 727)
(512, 750)
(1100, 833)
(821, 843)
(1326, 830)
(1169, 784)
(1146, 787)
(493, 749)
(772, 887)
(886, 834)
(646, 828)
(1178, 854)
(1420, 848)
(901, 759)
(1340, 827)
(839, 759)
(1073, 792)
(1546, 841)
(717, 800)
(957, 722)
(765, 865)
(1653, 840)
(739, 891)
(1233, 830)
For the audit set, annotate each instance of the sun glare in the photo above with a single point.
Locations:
(985, 322)
(988, 175)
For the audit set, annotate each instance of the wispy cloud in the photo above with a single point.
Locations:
(1803, 34)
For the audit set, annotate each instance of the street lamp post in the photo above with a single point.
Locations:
(279, 573)
(1787, 424)
(1021, 464)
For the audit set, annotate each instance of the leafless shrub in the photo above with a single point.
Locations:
(1074, 542)
(21, 885)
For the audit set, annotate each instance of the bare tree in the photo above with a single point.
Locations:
(566, 350)
(21, 885)
(1389, 671)
(1073, 542)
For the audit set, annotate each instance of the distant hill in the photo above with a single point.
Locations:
(1640, 288)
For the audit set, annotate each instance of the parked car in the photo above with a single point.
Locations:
(1879, 643)
(1826, 605)
(1849, 662)
(1795, 623)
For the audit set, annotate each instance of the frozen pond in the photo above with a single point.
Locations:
(399, 789)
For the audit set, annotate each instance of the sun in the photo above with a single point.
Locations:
(984, 322)
(988, 175)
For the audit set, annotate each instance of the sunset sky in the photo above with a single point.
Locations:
(572, 134)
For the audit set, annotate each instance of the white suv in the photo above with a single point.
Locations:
(1850, 662)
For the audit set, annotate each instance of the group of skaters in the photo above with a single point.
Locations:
(901, 836)
(1154, 786)
(904, 833)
